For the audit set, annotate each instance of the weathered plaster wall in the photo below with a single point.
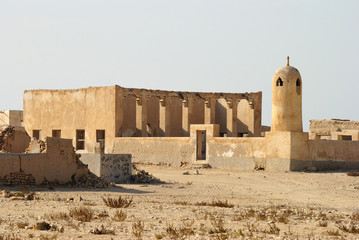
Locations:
(333, 129)
(237, 153)
(86, 109)
(156, 150)
(57, 164)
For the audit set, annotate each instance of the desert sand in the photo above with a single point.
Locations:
(210, 204)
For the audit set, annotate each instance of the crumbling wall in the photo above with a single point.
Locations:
(13, 139)
(59, 164)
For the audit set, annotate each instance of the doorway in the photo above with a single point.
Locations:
(201, 145)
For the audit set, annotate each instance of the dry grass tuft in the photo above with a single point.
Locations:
(103, 214)
(120, 202)
(216, 203)
(83, 214)
(323, 224)
(57, 216)
(349, 228)
(119, 216)
(184, 203)
(9, 237)
(333, 233)
(138, 228)
(355, 216)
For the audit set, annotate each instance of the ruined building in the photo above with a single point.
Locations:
(93, 117)
(222, 130)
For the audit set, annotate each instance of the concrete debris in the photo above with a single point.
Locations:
(185, 173)
(42, 226)
(196, 172)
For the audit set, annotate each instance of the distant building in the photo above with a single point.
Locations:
(334, 129)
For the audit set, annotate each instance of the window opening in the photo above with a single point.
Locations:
(298, 83)
(100, 138)
(56, 133)
(80, 139)
(201, 145)
(279, 82)
(36, 134)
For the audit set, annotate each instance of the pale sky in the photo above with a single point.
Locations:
(189, 45)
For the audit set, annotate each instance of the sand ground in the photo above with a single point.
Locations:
(288, 205)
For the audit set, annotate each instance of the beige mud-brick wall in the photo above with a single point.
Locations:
(18, 142)
(87, 109)
(129, 118)
(157, 150)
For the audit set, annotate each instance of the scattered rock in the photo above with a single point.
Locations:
(144, 177)
(42, 226)
(196, 172)
(185, 173)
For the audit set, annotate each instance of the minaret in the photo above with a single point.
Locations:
(287, 100)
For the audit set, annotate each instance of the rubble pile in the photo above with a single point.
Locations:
(91, 180)
(141, 176)
(18, 178)
(4, 134)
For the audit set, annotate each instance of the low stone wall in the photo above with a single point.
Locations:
(111, 167)
(157, 150)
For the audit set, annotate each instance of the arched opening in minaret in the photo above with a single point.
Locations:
(279, 82)
(298, 83)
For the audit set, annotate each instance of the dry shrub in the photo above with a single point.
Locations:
(57, 216)
(83, 214)
(216, 203)
(119, 216)
(138, 228)
(182, 203)
(273, 229)
(103, 214)
(9, 237)
(355, 216)
(22, 225)
(217, 222)
(353, 174)
(120, 202)
(323, 224)
(172, 231)
(333, 233)
(349, 229)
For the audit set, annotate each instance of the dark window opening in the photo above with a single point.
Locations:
(279, 82)
(201, 145)
(100, 138)
(36, 134)
(347, 137)
(56, 133)
(298, 83)
(80, 139)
